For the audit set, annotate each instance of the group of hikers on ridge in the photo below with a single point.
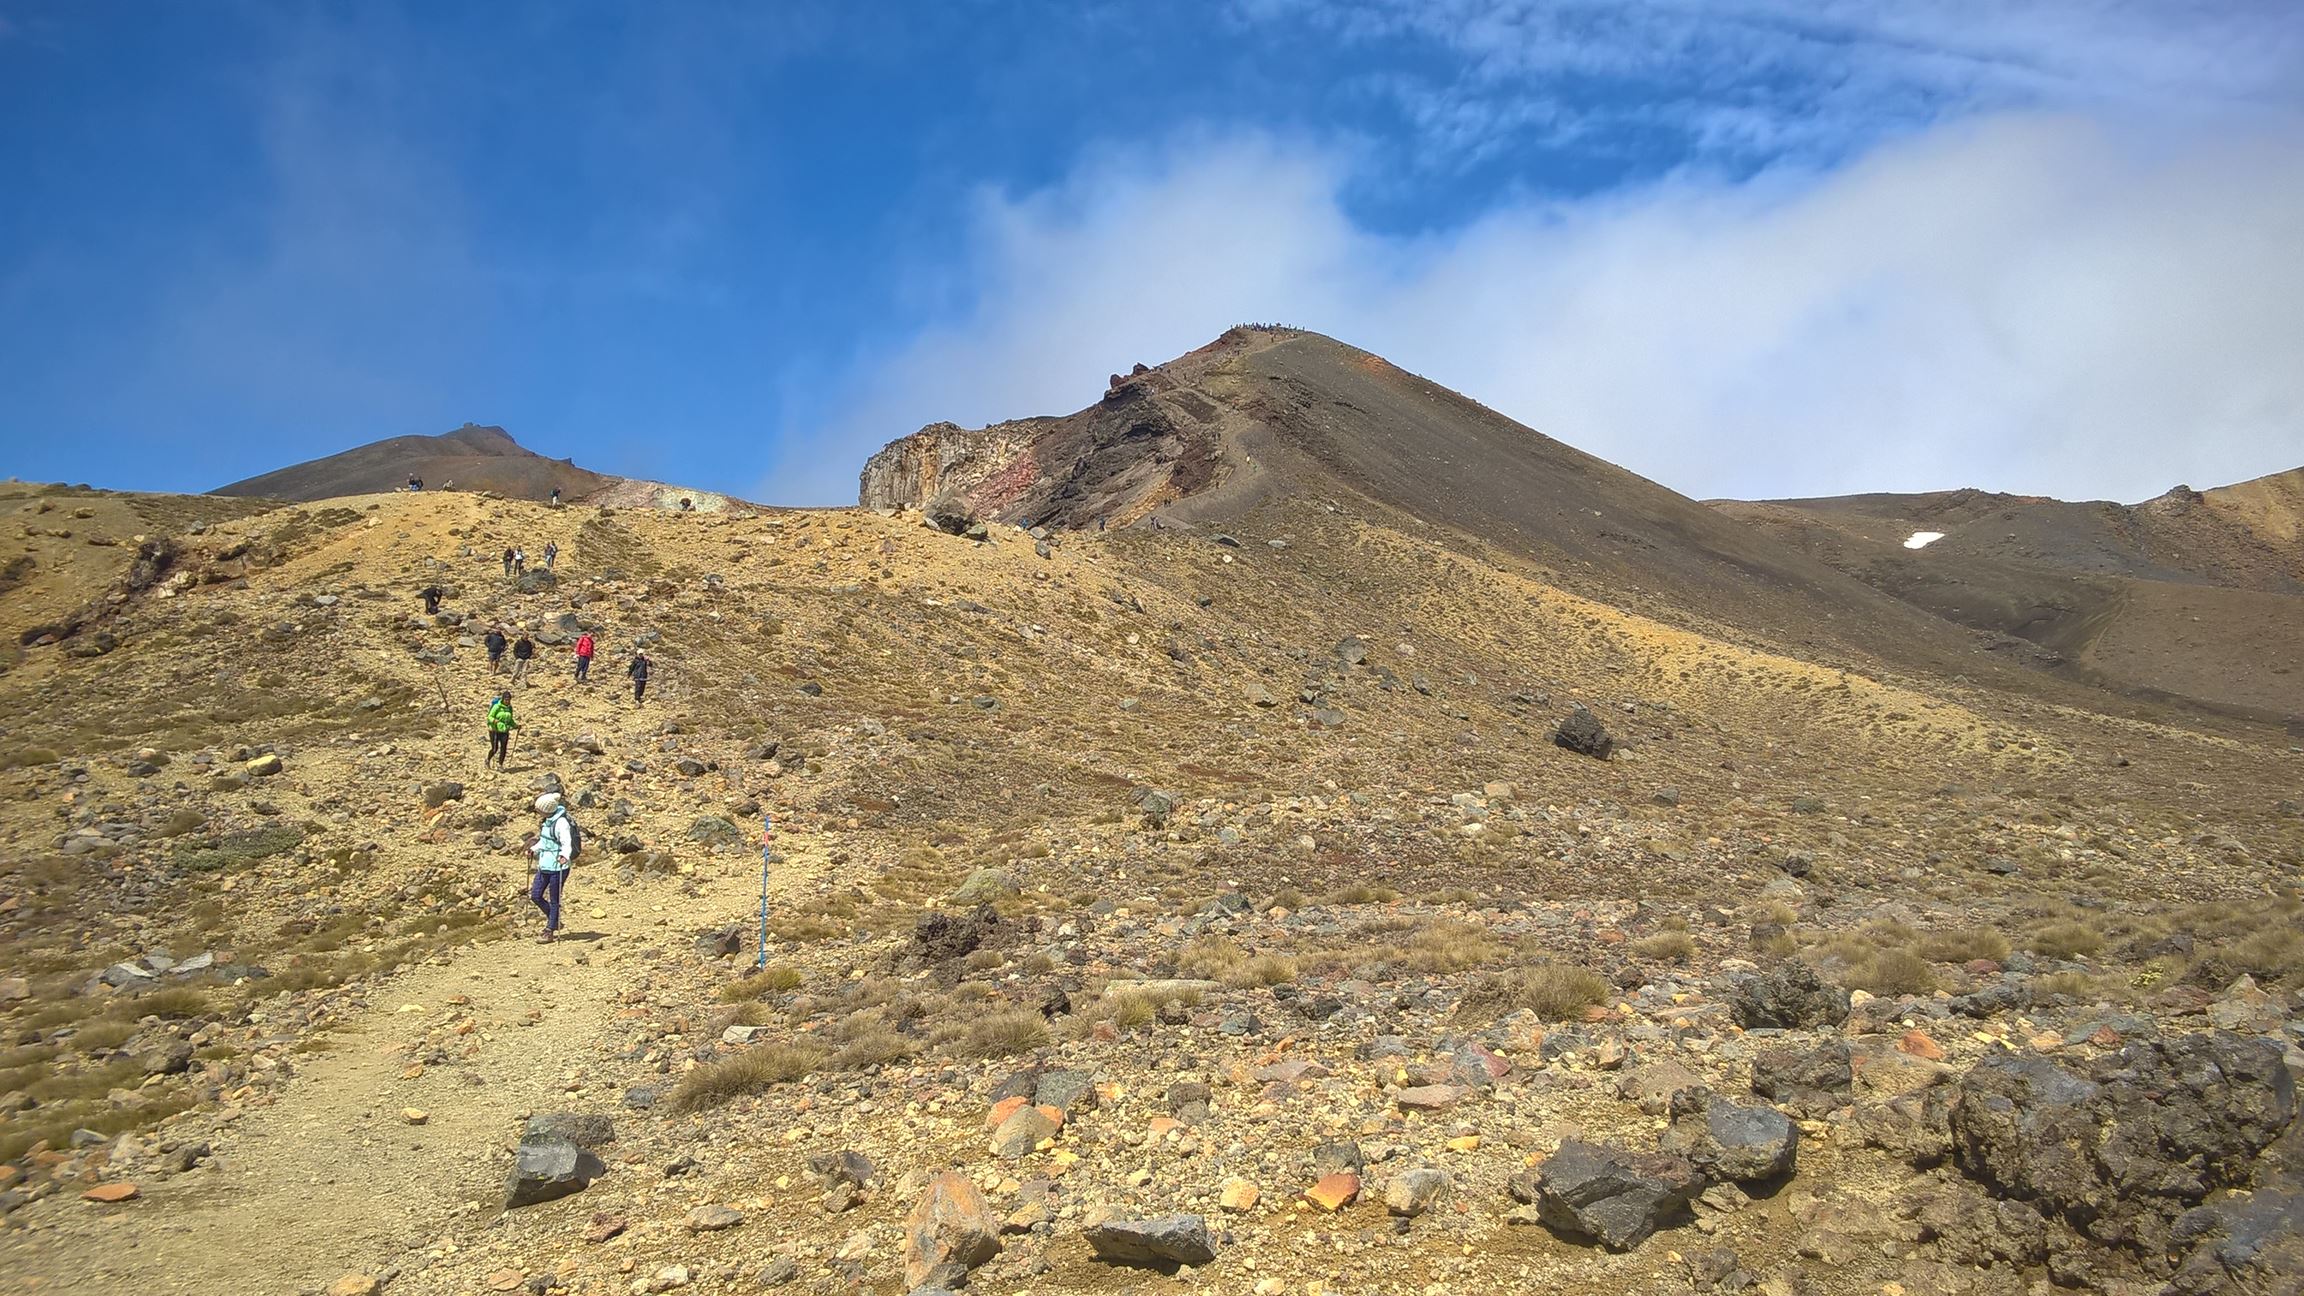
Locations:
(516, 558)
(523, 653)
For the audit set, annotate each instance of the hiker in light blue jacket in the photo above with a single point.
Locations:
(554, 847)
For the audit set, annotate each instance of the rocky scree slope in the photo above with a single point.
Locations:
(1224, 907)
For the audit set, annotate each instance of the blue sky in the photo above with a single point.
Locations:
(1744, 247)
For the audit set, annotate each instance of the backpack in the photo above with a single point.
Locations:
(575, 837)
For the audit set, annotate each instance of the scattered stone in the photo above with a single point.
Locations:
(1808, 1080)
(112, 1193)
(951, 1225)
(547, 1168)
(264, 766)
(1615, 1198)
(1334, 1191)
(714, 1219)
(1022, 1131)
(355, 1285)
(1237, 1195)
(1581, 732)
(1412, 1192)
(1168, 1242)
(1436, 1097)
(1738, 1144)
(437, 795)
(1789, 997)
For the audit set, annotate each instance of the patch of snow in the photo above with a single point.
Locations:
(1923, 539)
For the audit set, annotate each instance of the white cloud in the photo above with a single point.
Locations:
(2024, 302)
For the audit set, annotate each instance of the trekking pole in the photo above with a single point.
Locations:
(767, 854)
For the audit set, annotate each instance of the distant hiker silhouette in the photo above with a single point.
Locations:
(639, 673)
(523, 652)
(431, 597)
(494, 641)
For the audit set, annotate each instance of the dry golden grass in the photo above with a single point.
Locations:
(767, 981)
(1553, 991)
(1668, 947)
(752, 1071)
(1893, 972)
(2064, 940)
(1962, 945)
(875, 1045)
(1003, 1034)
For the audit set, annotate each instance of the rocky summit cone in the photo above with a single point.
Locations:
(1284, 828)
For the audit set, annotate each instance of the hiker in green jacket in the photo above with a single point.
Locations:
(500, 727)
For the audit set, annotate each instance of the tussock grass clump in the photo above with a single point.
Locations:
(1004, 1034)
(174, 1002)
(2273, 954)
(755, 1070)
(1894, 972)
(2065, 940)
(1210, 958)
(875, 1045)
(1668, 947)
(1552, 991)
(1360, 893)
(1449, 947)
(1963, 945)
(766, 981)
(1263, 970)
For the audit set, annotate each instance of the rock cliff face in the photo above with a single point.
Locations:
(1149, 441)
(940, 457)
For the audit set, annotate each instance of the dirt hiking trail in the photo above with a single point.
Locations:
(332, 1178)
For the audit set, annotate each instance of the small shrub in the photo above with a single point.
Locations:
(1004, 1034)
(1668, 947)
(238, 850)
(752, 1071)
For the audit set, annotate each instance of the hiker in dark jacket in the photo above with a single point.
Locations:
(431, 596)
(639, 673)
(519, 562)
(523, 652)
(500, 727)
(507, 562)
(551, 550)
(494, 641)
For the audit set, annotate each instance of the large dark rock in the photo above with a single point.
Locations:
(940, 937)
(1583, 734)
(1808, 1080)
(1612, 1197)
(1789, 997)
(2114, 1149)
(1732, 1143)
(550, 1168)
(1167, 1242)
(2243, 1244)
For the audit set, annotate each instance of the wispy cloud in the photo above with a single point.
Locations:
(2028, 302)
(1753, 81)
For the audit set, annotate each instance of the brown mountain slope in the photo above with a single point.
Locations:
(2194, 595)
(470, 458)
(1216, 437)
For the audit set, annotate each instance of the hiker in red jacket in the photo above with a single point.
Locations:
(584, 657)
